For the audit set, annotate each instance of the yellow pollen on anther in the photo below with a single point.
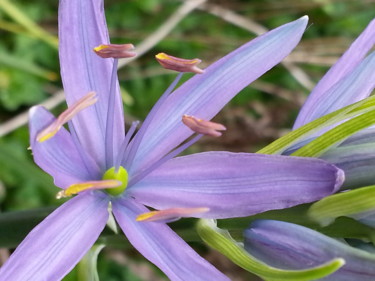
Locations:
(100, 47)
(66, 116)
(145, 216)
(171, 213)
(90, 185)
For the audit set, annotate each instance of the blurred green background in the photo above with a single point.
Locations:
(29, 75)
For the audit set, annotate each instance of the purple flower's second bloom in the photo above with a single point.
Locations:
(290, 246)
(95, 153)
(350, 79)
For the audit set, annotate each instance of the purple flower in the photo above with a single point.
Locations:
(290, 246)
(96, 160)
(350, 79)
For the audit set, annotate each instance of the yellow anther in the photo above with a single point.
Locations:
(172, 213)
(66, 116)
(179, 64)
(100, 48)
(90, 185)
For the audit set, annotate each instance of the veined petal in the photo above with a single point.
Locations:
(163, 247)
(355, 86)
(59, 156)
(58, 243)
(357, 161)
(205, 94)
(362, 137)
(82, 27)
(236, 184)
(349, 60)
(291, 246)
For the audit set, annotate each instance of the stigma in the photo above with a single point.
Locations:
(66, 116)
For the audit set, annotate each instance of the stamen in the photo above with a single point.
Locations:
(116, 51)
(125, 143)
(178, 64)
(89, 185)
(203, 126)
(162, 160)
(134, 145)
(170, 214)
(66, 116)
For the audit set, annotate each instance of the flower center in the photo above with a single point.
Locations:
(119, 174)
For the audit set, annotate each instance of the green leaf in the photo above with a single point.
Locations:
(27, 66)
(336, 135)
(303, 132)
(21, 18)
(346, 203)
(221, 241)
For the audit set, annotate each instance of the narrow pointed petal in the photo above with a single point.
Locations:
(357, 161)
(291, 246)
(362, 137)
(342, 68)
(82, 27)
(163, 247)
(355, 86)
(236, 184)
(58, 156)
(58, 243)
(205, 94)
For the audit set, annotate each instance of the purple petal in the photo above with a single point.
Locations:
(205, 94)
(357, 161)
(59, 156)
(291, 246)
(236, 184)
(324, 96)
(163, 247)
(81, 28)
(58, 243)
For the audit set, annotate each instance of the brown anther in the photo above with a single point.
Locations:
(178, 64)
(203, 126)
(116, 51)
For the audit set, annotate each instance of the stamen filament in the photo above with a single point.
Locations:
(110, 117)
(170, 214)
(66, 116)
(134, 145)
(89, 185)
(125, 143)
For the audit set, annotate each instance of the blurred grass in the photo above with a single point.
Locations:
(261, 113)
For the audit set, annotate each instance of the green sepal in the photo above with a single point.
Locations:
(221, 241)
(86, 269)
(347, 203)
(304, 131)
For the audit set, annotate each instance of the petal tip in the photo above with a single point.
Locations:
(340, 178)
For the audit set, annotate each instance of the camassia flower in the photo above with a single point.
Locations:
(96, 163)
(290, 246)
(350, 79)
